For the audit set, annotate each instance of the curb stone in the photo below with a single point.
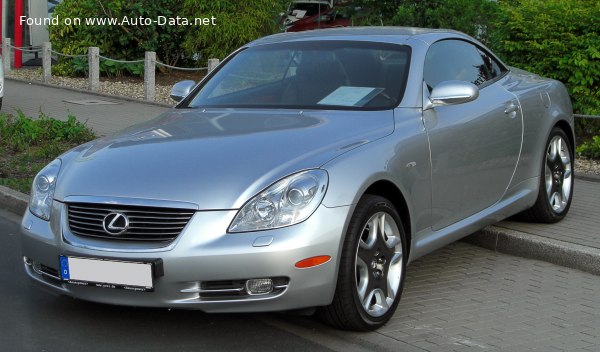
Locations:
(588, 177)
(530, 246)
(493, 237)
(13, 201)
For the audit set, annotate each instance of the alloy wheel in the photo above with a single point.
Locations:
(558, 174)
(379, 264)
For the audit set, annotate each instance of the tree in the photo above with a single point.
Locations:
(237, 22)
(474, 17)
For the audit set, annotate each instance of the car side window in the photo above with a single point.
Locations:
(492, 66)
(454, 60)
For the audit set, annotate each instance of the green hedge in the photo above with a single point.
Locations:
(558, 39)
(123, 42)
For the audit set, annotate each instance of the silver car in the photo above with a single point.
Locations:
(307, 171)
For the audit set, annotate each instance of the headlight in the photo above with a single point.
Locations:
(287, 202)
(42, 190)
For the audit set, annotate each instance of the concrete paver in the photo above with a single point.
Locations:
(463, 296)
(466, 298)
(580, 226)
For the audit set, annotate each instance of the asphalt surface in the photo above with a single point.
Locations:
(460, 298)
(36, 320)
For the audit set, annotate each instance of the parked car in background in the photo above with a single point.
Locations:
(306, 171)
(300, 9)
(335, 17)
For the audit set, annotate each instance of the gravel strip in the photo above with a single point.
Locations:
(128, 89)
(587, 166)
(583, 166)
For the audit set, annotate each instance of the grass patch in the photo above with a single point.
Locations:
(27, 145)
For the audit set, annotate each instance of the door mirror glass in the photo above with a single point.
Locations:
(181, 89)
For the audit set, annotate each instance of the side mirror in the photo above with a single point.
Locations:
(453, 92)
(181, 89)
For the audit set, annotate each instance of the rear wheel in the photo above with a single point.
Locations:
(372, 267)
(556, 183)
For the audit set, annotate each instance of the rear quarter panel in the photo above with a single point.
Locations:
(544, 103)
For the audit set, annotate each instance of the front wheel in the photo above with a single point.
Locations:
(556, 184)
(372, 267)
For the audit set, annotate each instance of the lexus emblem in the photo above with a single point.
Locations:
(115, 223)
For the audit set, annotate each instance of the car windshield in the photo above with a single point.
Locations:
(309, 75)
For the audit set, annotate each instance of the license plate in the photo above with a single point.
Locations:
(107, 273)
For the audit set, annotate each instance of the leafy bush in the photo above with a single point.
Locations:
(21, 131)
(590, 149)
(123, 42)
(27, 145)
(557, 39)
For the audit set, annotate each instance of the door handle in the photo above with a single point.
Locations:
(511, 108)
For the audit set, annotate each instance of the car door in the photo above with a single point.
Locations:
(474, 146)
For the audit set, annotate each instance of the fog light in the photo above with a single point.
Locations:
(27, 261)
(37, 268)
(259, 286)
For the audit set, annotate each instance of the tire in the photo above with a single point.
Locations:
(556, 181)
(372, 267)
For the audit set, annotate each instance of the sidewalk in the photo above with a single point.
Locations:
(574, 242)
(105, 116)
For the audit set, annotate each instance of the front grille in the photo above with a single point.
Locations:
(145, 223)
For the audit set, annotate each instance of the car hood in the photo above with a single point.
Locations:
(215, 159)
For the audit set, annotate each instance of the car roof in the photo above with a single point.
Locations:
(397, 35)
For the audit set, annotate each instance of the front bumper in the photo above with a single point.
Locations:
(202, 253)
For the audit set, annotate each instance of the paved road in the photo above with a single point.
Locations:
(461, 298)
(103, 119)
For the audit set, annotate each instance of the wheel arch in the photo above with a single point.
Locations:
(391, 192)
(565, 126)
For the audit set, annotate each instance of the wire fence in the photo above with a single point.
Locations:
(68, 55)
(121, 61)
(94, 58)
(39, 49)
(27, 49)
(586, 116)
(158, 63)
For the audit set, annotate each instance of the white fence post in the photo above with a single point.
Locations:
(212, 64)
(94, 68)
(46, 62)
(149, 78)
(6, 54)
